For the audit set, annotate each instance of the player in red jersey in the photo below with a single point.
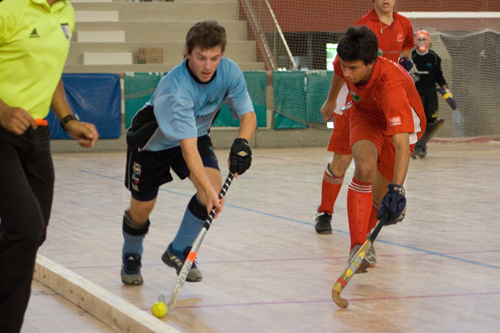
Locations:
(387, 119)
(395, 38)
(394, 32)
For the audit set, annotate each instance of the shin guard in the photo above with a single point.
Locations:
(133, 235)
(373, 218)
(359, 203)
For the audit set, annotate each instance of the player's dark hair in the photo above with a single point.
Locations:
(206, 35)
(358, 43)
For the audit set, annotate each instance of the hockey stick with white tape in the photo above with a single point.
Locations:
(181, 278)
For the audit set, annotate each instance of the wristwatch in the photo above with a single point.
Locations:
(67, 119)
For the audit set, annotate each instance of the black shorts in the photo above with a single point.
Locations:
(146, 171)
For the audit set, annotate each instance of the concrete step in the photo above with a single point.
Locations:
(100, 36)
(97, 16)
(158, 11)
(116, 58)
(239, 51)
(245, 66)
(117, 30)
(156, 31)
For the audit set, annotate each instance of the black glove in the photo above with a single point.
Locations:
(240, 157)
(394, 202)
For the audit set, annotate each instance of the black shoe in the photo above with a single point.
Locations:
(176, 260)
(323, 223)
(131, 269)
(418, 153)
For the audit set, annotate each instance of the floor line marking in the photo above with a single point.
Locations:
(335, 230)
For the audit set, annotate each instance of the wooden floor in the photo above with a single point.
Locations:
(266, 270)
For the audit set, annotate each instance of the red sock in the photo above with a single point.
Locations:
(373, 219)
(359, 203)
(330, 189)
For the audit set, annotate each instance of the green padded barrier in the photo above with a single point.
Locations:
(298, 97)
(289, 94)
(317, 86)
(224, 119)
(257, 88)
(282, 122)
(256, 85)
(289, 99)
(138, 87)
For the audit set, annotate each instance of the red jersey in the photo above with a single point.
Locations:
(392, 39)
(388, 100)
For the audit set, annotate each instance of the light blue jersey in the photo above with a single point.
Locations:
(185, 108)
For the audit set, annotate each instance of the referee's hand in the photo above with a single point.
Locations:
(85, 133)
(15, 119)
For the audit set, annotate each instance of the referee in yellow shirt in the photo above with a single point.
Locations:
(34, 43)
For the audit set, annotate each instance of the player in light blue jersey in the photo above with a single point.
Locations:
(171, 132)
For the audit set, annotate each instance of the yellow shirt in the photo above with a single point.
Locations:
(34, 45)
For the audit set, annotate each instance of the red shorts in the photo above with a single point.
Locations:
(340, 141)
(363, 129)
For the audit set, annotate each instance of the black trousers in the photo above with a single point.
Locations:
(26, 193)
(430, 102)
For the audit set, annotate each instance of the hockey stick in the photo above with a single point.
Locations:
(353, 265)
(181, 278)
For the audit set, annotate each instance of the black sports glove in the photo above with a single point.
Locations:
(394, 202)
(240, 157)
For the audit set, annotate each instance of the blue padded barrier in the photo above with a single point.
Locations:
(95, 98)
